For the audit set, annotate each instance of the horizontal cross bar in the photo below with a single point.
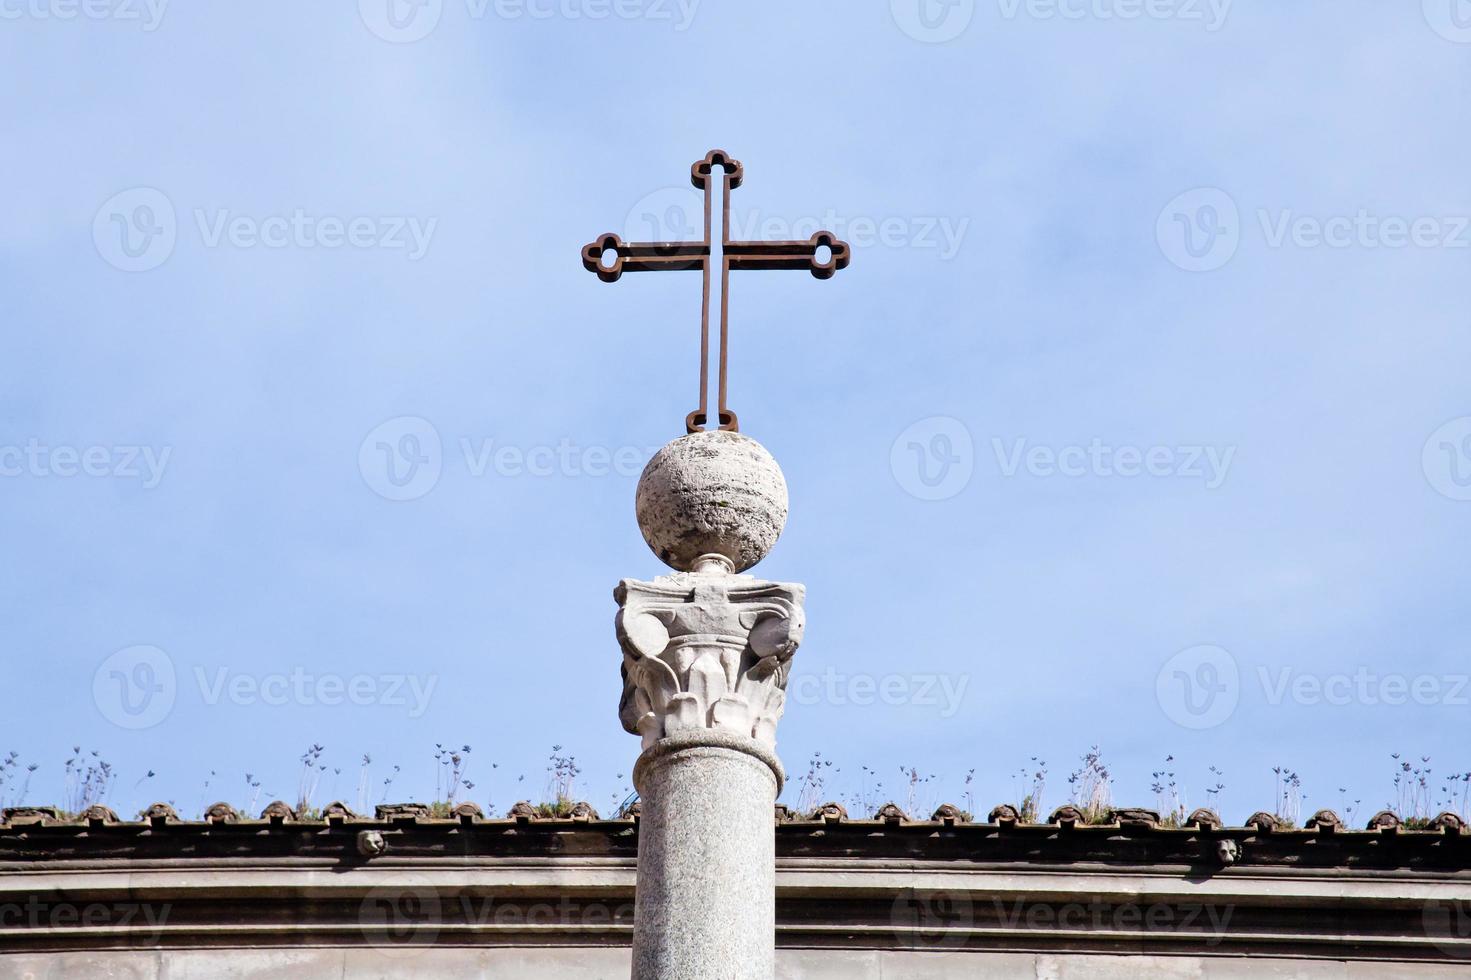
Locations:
(790, 255)
(642, 256)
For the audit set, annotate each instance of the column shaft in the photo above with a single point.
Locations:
(705, 908)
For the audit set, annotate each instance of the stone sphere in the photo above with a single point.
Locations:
(712, 492)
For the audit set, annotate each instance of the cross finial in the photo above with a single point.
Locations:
(676, 256)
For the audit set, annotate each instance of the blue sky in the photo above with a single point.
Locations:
(1139, 420)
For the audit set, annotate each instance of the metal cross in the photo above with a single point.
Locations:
(677, 256)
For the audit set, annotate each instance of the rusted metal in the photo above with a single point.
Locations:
(685, 256)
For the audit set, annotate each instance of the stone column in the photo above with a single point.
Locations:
(706, 653)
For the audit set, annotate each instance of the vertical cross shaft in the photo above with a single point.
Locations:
(679, 256)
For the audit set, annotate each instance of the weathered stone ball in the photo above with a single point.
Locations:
(709, 493)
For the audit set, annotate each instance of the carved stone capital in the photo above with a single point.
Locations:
(706, 650)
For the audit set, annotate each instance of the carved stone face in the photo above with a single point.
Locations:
(1227, 851)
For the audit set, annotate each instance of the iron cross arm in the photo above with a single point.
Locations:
(610, 256)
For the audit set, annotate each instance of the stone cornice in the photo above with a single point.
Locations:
(835, 901)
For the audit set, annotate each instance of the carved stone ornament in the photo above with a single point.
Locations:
(1384, 820)
(706, 650)
(1003, 813)
(99, 814)
(1448, 822)
(1204, 818)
